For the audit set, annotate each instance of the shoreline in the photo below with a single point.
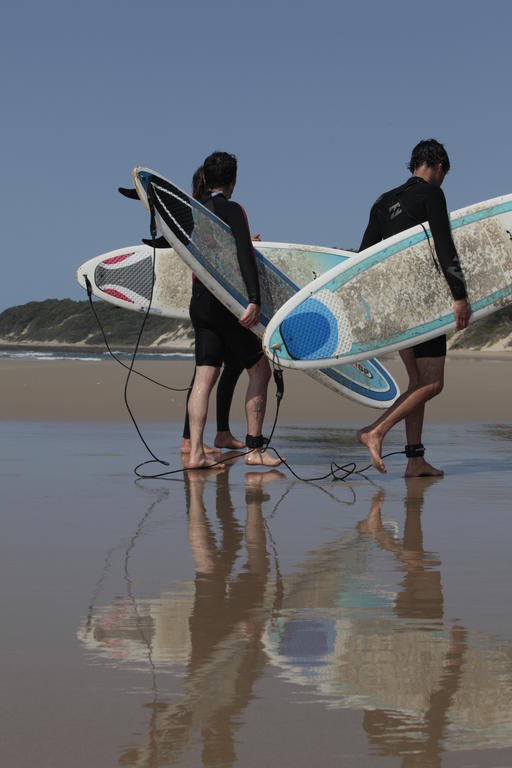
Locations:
(488, 354)
(479, 354)
(477, 390)
(94, 349)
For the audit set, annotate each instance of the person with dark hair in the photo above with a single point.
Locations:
(418, 200)
(198, 184)
(228, 379)
(219, 335)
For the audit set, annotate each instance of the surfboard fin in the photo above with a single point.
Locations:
(159, 242)
(129, 192)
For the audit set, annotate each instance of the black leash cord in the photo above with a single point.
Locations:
(349, 469)
(370, 466)
(113, 354)
(278, 378)
(132, 362)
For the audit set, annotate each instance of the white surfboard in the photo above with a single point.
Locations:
(207, 246)
(124, 277)
(391, 296)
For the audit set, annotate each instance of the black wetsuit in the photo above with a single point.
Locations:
(404, 207)
(219, 336)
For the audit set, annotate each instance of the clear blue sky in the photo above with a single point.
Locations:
(321, 102)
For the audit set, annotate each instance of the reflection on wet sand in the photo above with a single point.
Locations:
(420, 598)
(424, 687)
(223, 618)
(228, 616)
(360, 623)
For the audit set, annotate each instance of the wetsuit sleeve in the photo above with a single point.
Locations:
(373, 232)
(445, 247)
(237, 220)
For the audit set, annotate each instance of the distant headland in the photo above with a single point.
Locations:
(65, 322)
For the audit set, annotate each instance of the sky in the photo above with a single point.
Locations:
(321, 102)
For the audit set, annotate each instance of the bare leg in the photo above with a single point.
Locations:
(202, 543)
(255, 405)
(185, 440)
(225, 439)
(419, 370)
(185, 447)
(427, 384)
(205, 378)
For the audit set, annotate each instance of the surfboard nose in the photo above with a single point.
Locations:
(80, 277)
(144, 177)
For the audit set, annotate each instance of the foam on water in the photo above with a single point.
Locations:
(85, 355)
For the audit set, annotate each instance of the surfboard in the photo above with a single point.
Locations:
(124, 277)
(207, 246)
(391, 296)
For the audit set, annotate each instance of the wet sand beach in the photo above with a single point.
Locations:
(477, 388)
(245, 618)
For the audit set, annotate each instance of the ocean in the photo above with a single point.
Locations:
(48, 354)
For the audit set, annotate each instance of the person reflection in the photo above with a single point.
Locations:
(233, 600)
(419, 743)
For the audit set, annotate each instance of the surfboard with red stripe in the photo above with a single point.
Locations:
(206, 244)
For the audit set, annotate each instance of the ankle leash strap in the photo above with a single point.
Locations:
(415, 451)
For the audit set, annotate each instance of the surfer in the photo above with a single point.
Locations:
(419, 199)
(231, 372)
(218, 333)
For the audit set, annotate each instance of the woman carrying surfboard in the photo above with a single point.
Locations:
(231, 372)
(419, 199)
(219, 335)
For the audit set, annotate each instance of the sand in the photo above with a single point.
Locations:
(244, 618)
(477, 389)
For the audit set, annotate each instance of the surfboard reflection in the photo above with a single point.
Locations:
(360, 624)
(424, 686)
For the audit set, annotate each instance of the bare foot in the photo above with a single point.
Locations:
(418, 467)
(200, 462)
(262, 478)
(185, 447)
(373, 522)
(374, 444)
(259, 458)
(226, 440)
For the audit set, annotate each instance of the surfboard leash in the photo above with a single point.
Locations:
(113, 354)
(348, 468)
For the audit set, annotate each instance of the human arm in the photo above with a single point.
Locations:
(445, 247)
(251, 316)
(373, 232)
(447, 255)
(237, 221)
(462, 312)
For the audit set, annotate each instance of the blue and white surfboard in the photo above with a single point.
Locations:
(391, 296)
(207, 246)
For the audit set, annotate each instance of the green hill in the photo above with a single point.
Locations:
(486, 332)
(68, 322)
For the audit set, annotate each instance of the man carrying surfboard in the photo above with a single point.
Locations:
(419, 200)
(218, 333)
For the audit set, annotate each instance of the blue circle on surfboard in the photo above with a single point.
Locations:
(310, 332)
